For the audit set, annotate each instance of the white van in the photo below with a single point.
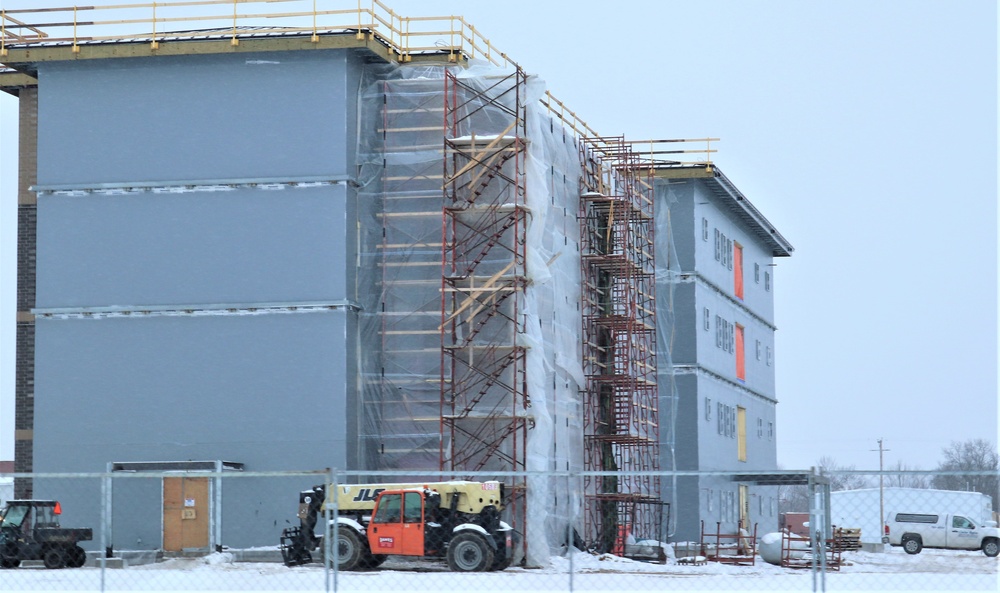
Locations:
(916, 531)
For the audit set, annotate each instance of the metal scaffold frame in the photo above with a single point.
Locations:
(484, 399)
(402, 410)
(621, 420)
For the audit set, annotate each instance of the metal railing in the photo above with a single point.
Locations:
(155, 22)
(449, 37)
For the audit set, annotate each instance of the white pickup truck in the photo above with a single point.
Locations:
(916, 531)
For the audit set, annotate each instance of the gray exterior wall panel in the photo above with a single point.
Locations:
(267, 115)
(149, 389)
(241, 246)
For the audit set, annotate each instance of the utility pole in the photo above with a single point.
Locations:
(881, 495)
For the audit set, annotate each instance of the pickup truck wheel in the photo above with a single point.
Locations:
(350, 548)
(468, 552)
(991, 547)
(54, 558)
(912, 544)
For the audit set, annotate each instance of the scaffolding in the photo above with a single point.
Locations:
(483, 396)
(621, 430)
(402, 397)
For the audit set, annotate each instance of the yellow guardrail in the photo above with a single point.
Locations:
(650, 153)
(405, 37)
(180, 19)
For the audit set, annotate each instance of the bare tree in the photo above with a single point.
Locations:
(904, 480)
(795, 498)
(977, 456)
(839, 477)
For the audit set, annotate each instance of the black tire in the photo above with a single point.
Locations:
(372, 561)
(55, 558)
(77, 557)
(469, 552)
(9, 562)
(991, 547)
(501, 563)
(351, 549)
(912, 544)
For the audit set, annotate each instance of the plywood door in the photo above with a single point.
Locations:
(745, 507)
(185, 513)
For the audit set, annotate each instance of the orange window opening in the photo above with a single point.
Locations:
(741, 365)
(738, 270)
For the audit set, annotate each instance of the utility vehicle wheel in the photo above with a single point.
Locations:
(991, 547)
(9, 563)
(350, 549)
(77, 557)
(54, 558)
(912, 545)
(468, 552)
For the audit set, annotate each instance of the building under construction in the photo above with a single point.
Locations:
(295, 235)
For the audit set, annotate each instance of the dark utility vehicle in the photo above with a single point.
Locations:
(29, 530)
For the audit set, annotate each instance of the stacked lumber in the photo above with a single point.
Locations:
(847, 539)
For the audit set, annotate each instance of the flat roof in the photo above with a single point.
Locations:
(737, 203)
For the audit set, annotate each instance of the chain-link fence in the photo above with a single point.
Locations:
(144, 527)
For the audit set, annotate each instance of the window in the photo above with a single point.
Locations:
(760, 428)
(730, 506)
(721, 419)
(738, 270)
(756, 273)
(741, 366)
(962, 523)
(718, 245)
(770, 430)
(768, 356)
(708, 408)
(767, 281)
(707, 322)
(741, 434)
(412, 508)
(711, 500)
(724, 338)
(389, 508)
(912, 518)
(704, 229)
(758, 349)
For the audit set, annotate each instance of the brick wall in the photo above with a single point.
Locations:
(27, 216)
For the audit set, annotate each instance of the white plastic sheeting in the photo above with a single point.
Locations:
(400, 163)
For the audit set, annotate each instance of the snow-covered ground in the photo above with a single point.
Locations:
(932, 570)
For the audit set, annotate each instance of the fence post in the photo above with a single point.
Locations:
(107, 487)
(328, 543)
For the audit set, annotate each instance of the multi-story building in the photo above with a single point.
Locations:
(263, 250)
(722, 353)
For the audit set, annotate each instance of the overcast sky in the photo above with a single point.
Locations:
(865, 131)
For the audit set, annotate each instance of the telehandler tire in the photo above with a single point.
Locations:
(469, 552)
(350, 549)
